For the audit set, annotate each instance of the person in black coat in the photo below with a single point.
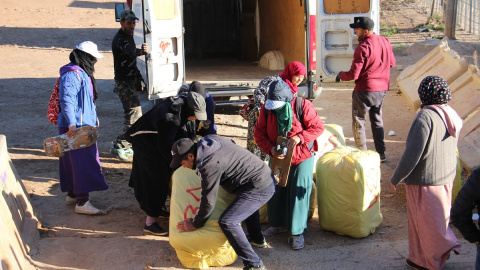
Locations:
(152, 137)
(461, 213)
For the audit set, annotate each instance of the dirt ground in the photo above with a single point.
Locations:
(36, 38)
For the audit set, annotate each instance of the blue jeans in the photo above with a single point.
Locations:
(245, 207)
(477, 261)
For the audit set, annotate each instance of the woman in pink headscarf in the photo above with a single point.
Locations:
(292, 75)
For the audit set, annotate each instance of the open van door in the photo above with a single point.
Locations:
(336, 41)
(163, 69)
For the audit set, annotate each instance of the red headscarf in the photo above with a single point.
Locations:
(292, 69)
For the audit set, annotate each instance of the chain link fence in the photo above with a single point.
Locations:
(467, 16)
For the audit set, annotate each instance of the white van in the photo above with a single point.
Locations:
(219, 42)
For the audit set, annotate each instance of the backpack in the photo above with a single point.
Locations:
(54, 103)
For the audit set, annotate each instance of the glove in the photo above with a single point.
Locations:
(337, 79)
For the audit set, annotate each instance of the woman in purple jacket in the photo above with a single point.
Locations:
(80, 171)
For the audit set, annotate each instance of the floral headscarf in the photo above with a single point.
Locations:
(434, 94)
(292, 69)
(434, 90)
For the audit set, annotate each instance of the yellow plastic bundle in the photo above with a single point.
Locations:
(348, 188)
(206, 246)
(331, 137)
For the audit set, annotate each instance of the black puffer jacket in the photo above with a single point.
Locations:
(461, 214)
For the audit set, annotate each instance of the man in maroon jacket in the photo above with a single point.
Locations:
(370, 69)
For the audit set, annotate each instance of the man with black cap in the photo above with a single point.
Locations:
(152, 137)
(127, 76)
(370, 69)
(220, 162)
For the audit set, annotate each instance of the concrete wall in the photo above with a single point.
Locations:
(282, 28)
(464, 83)
(19, 235)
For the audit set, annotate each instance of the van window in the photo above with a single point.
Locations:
(346, 6)
(164, 10)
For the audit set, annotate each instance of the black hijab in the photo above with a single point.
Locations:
(86, 62)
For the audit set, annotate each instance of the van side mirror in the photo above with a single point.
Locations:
(119, 7)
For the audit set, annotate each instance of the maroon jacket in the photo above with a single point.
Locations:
(371, 64)
(266, 131)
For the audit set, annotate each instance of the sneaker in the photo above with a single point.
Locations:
(297, 241)
(120, 154)
(251, 267)
(414, 265)
(155, 229)
(383, 158)
(70, 200)
(274, 230)
(88, 209)
(129, 152)
(255, 244)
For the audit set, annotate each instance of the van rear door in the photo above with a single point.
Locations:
(336, 41)
(162, 30)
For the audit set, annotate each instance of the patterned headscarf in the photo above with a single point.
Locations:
(434, 90)
(292, 69)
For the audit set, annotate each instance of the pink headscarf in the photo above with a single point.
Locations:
(292, 69)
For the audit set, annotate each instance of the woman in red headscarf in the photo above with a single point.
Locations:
(288, 208)
(292, 75)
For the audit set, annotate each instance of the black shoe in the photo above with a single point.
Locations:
(155, 229)
(383, 158)
(414, 265)
(251, 267)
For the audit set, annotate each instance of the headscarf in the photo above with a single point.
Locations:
(293, 69)
(434, 94)
(284, 119)
(434, 90)
(279, 98)
(87, 63)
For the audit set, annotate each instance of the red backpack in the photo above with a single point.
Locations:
(54, 104)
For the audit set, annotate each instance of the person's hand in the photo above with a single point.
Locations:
(98, 122)
(275, 154)
(71, 131)
(293, 141)
(393, 188)
(186, 226)
(144, 48)
(337, 79)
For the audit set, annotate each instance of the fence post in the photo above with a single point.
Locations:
(450, 19)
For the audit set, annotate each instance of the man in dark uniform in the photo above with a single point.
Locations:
(152, 137)
(127, 74)
(220, 162)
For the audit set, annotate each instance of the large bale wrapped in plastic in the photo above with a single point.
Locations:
(207, 246)
(331, 137)
(348, 188)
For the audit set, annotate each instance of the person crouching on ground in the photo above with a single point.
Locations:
(221, 163)
(152, 137)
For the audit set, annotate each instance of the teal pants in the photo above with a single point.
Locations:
(289, 205)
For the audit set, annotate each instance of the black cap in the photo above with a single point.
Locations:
(362, 22)
(179, 150)
(128, 15)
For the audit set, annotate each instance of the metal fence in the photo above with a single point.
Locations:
(467, 17)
